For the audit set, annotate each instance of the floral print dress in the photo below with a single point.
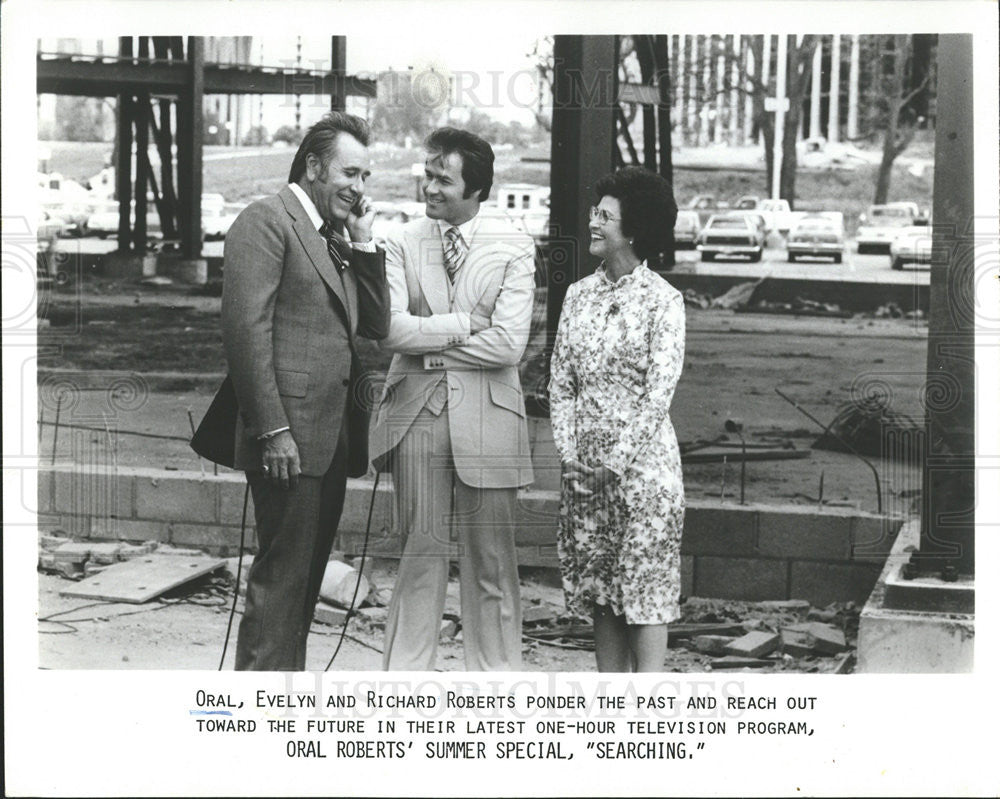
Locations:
(618, 353)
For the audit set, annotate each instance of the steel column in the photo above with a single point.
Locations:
(584, 98)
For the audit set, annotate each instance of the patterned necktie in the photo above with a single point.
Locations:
(336, 245)
(454, 252)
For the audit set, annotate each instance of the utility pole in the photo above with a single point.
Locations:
(748, 107)
(817, 89)
(765, 70)
(779, 114)
(692, 120)
(734, 92)
(678, 78)
(852, 88)
(298, 97)
(833, 122)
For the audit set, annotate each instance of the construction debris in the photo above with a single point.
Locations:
(872, 428)
(826, 639)
(755, 644)
(800, 306)
(737, 297)
(142, 579)
(738, 662)
(712, 644)
(342, 584)
(697, 299)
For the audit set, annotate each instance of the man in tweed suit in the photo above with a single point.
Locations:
(296, 294)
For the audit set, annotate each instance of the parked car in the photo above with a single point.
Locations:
(103, 222)
(686, 229)
(912, 245)
(216, 220)
(777, 214)
(816, 235)
(731, 234)
(706, 205)
(882, 223)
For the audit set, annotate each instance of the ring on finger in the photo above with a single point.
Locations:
(265, 468)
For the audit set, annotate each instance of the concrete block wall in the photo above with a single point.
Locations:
(750, 552)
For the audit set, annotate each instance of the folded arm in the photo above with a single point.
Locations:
(408, 333)
(504, 334)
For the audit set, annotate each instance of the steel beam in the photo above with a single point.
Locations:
(338, 68)
(190, 131)
(584, 98)
(947, 534)
(88, 77)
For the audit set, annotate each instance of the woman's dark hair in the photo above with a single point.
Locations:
(477, 157)
(321, 140)
(648, 207)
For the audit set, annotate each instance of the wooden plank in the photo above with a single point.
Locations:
(142, 579)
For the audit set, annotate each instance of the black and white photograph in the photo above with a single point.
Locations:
(494, 385)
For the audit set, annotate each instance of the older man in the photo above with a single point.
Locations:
(296, 293)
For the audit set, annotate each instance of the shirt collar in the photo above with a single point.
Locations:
(303, 198)
(467, 229)
(635, 274)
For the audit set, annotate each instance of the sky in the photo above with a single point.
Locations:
(494, 73)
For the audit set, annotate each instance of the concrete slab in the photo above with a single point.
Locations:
(901, 641)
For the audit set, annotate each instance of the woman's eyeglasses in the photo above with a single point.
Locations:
(601, 215)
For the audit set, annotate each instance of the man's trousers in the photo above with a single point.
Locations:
(436, 511)
(295, 532)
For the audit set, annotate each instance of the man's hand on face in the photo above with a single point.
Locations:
(359, 221)
(280, 459)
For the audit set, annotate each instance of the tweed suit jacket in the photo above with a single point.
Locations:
(289, 323)
(429, 335)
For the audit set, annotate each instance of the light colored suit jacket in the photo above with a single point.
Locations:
(429, 334)
(289, 321)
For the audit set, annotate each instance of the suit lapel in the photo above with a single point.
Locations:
(431, 274)
(315, 248)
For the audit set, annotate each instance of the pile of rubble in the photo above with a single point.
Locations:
(60, 554)
(715, 634)
(767, 635)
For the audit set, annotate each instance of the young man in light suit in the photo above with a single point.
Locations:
(452, 420)
(295, 296)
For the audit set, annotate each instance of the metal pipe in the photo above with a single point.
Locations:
(826, 429)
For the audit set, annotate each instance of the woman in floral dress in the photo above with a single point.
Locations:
(618, 354)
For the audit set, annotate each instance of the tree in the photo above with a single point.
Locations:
(83, 119)
(799, 76)
(410, 103)
(901, 117)
(288, 134)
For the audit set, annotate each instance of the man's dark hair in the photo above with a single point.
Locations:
(648, 208)
(321, 140)
(477, 157)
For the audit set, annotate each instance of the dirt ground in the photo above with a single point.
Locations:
(186, 629)
(169, 339)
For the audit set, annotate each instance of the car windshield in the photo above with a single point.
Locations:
(891, 214)
(728, 221)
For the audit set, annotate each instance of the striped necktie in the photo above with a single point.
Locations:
(454, 252)
(336, 245)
